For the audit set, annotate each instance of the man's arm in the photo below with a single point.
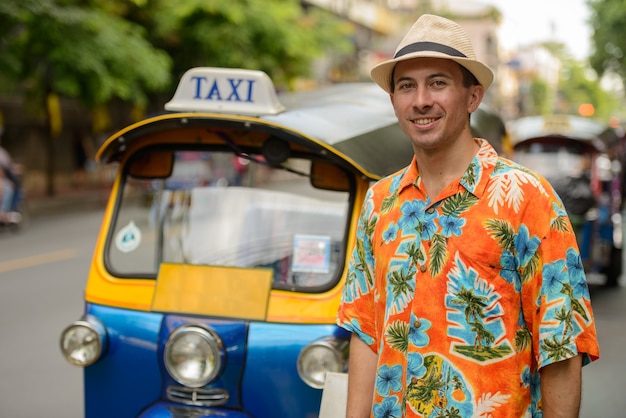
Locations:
(361, 378)
(560, 388)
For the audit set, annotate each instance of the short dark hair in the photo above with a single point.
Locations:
(469, 79)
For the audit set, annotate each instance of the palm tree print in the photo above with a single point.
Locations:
(402, 288)
(397, 336)
(415, 254)
(438, 254)
(523, 339)
(473, 304)
(439, 391)
(482, 334)
(557, 350)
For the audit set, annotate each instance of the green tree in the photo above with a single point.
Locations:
(53, 49)
(608, 37)
(578, 85)
(278, 37)
(100, 50)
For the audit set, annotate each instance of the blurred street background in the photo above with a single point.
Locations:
(74, 72)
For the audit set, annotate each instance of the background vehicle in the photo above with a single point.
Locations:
(571, 152)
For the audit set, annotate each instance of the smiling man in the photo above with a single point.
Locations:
(465, 294)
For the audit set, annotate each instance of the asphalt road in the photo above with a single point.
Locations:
(42, 277)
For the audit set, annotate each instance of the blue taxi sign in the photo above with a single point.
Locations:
(225, 90)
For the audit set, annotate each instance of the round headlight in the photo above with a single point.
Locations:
(193, 356)
(320, 357)
(82, 342)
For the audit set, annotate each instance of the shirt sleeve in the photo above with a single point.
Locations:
(357, 308)
(555, 295)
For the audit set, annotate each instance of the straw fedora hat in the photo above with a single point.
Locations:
(434, 37)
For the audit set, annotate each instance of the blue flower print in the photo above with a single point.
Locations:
(526, 378)
(391, 233)
(415, 366)
(509, 269)
(525, 246)
(395, 183)
(417, 331)
(412, 211)
(389, 379)
(559, 210)
(388, 408)
(415, 218)
(428, 226)
(355, 326)
(451, 225)
(553, 277)
(577, 274)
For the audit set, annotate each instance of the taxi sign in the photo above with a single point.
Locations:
(225, 90)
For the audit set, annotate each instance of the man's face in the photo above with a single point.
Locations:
(431, 103)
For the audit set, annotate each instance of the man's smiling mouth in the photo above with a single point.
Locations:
(423, 121)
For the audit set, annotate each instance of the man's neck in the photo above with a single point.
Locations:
(439, 168)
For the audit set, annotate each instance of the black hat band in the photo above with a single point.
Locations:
(429, 46)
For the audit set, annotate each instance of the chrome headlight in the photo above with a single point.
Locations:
(326, 355)
(83, 342)
(193, 355)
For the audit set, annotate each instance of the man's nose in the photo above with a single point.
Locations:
(422, 99)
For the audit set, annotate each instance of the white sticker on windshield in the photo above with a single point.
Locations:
(311, 253)
(128, 238)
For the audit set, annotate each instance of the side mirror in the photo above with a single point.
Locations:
(152, 164)
(327, 176)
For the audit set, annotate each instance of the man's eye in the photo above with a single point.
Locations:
(439, 83)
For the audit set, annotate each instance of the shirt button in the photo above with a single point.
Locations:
(430, 210)
(423, 268)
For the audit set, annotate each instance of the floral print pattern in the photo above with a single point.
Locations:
(466, 296)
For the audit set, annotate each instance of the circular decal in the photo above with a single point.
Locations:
(128, 238)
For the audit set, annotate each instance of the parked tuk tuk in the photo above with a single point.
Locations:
(218, 270)
(571, 152)
(219, 267)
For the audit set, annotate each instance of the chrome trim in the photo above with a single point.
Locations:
(336, 345)
(94, 325)
(197, 396)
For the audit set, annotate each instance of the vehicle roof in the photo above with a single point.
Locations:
(557, 126)
(354, 120)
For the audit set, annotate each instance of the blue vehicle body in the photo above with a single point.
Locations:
(256, 352)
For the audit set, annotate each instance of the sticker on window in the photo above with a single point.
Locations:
(311, 253)
(128, 238)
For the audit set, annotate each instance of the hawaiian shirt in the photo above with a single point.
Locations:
(465, 297)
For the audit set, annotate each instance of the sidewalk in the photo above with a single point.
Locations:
(65, 201)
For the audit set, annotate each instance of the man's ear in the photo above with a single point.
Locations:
(477, 92)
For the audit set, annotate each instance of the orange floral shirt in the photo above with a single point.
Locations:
(467, 296)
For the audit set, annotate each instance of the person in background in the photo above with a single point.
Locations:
(465, 295)
(10, 187)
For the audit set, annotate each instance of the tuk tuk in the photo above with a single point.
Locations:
(219, 267)
(571, 152)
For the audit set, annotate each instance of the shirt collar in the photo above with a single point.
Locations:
(475, 178)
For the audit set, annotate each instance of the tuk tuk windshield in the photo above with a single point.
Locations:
(554, 161)
(217, 208)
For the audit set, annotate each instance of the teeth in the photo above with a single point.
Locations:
(424, 121)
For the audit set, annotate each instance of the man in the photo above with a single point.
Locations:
(466, 294)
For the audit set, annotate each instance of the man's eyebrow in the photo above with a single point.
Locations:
(429, 77)
(436, 75)
(404, 78)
